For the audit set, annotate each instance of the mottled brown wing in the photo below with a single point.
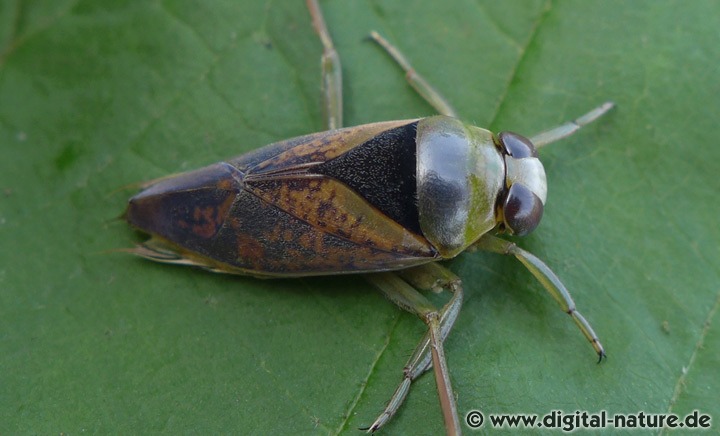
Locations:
(267, 214)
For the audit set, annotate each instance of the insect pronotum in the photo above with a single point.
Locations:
(387, 200)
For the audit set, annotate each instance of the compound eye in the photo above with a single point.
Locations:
(522, 210)
(517, 146)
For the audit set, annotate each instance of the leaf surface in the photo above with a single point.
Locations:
(96, 95)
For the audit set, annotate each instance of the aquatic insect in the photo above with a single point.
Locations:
(387, 200)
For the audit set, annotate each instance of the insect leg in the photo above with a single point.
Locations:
(431, 277)
(435, 277)
(408, 298)
(548, 279)
(567, 129)
(426, 91)
(331, 70)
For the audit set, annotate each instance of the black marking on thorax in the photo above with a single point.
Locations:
(383, 171)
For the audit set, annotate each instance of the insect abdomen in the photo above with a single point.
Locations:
(283, 211)
(190, 207)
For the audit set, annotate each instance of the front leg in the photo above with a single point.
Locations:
(548, 279)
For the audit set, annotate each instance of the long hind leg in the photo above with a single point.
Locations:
(331, 70)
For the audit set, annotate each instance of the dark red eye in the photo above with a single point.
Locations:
(517, 146)
(522, 210)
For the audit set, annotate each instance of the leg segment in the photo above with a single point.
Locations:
(415, 80)
(433, 277)
(331, 70)
(548, 279)
(430, 352)
(567, 129)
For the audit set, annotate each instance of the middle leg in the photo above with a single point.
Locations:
(429, 353)
(418, 82)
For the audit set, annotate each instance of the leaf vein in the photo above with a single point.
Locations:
(371, 371)
(680, 384)
(15, 41)
(523, 54)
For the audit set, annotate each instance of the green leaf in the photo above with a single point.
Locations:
(96, 95)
